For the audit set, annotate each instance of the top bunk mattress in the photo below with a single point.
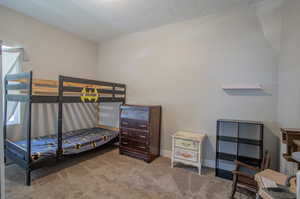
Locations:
(73, 142)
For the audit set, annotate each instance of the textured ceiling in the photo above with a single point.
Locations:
(99, 20)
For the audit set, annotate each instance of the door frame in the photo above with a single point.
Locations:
(2, 165)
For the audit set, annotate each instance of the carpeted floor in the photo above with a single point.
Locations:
(107, 175)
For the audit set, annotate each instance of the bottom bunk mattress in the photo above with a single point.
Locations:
(73, 142)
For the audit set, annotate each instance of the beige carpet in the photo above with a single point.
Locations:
(107, 175)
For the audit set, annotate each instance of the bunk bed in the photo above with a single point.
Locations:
(34, 153)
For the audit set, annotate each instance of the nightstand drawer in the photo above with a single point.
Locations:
(186, 155)
(187, 144)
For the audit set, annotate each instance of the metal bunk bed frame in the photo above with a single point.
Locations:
(24, 82)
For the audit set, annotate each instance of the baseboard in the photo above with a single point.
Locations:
(209, 163)
(166, 153)
(206, 163)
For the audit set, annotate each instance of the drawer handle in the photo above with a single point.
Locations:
(125, 143)
(142, 136)
(143, 126)
(186, 155)
(125, 133)
(141, 147)
(186, 144)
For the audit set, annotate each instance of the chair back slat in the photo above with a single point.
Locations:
(266, 163)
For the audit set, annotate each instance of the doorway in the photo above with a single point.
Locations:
(2, 174)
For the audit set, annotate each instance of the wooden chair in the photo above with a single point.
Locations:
(243, 175)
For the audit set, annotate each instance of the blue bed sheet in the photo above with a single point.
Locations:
(73, 142)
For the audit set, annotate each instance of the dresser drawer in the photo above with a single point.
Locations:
(134, 124)
(126, 142)
(135, 112)
(139, 146)
(186, 155)
(134, 134)
(186, 144)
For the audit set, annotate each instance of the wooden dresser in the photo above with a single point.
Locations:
(140, 131)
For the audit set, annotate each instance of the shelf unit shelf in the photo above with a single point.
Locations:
(230, 157)
(238, 140)
(242, 87)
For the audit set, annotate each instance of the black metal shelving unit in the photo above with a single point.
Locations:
(238, 140)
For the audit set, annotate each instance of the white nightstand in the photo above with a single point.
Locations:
(187, 149)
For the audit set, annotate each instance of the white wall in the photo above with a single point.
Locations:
(182, 66)
(289, 70)
(289, 74)
(51, 52)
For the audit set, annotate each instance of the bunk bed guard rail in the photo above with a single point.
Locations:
(78, 90)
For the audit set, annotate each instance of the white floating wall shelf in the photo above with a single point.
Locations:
(242, 87)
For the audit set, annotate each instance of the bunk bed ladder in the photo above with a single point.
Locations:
(27, 86)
